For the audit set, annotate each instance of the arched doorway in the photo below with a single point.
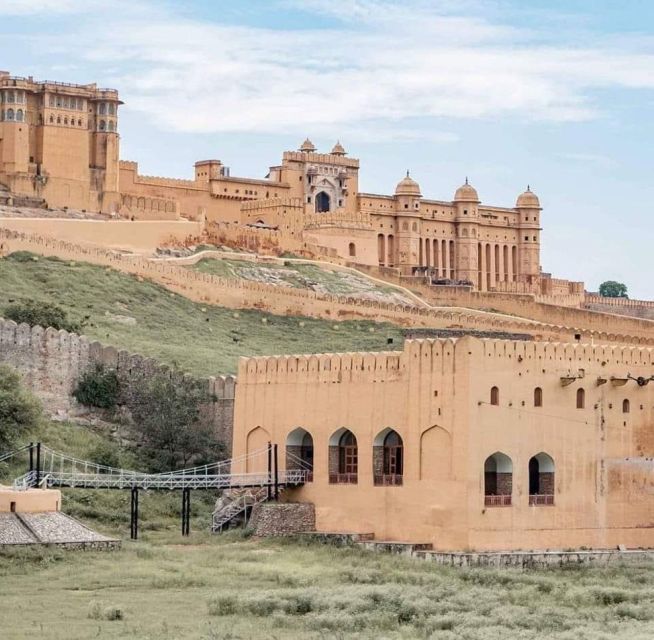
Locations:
(388, 459)
(498, 480)
(343, 458)
(541, 480)
(323, 202)
(299, 452)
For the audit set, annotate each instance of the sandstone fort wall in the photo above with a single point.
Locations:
(142, 235)
(234, 293)
(51, 363)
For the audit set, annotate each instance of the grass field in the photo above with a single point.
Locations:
(145, 318)
(231, 588)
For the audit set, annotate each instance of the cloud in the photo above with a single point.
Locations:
(377, 66)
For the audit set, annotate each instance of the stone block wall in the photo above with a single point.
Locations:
(51, 363)
(281, 519)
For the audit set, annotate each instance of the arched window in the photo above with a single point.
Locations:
(66, 120)
(388, 458)
(541, 480)
(111, 109)
(626, 406)
(52, 101)
(58, 119)
(538, 397)
(51, 119)
(19, 115)
(103, 109)
(343, 458)
(495, 396)
(11, 97)
(110, 125)
(299, 452)
(498, 480)
(352, 250)
(102, 126)
(10, 114)
(79, 123)
(323, 202)
(581, 398)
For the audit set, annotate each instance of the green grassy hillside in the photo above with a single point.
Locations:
(304, 276)
(143, 317)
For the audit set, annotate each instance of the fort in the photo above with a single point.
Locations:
(469, 442)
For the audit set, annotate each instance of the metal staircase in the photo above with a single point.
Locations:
(236, 503)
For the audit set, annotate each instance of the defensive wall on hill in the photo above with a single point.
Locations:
(130, 235)
(51, 363)
(564, 312)
(622, 306)
(235, 293)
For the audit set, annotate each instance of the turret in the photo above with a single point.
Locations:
(528, 208)
(407, 206)
(466, 220)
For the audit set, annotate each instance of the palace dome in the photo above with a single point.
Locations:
(407, 187)
(527, 200)
(466, 193)
(338, 149)
(308, 146)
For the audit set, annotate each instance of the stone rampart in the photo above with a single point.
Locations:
(51, 363)
(620, 306)
(236, 293)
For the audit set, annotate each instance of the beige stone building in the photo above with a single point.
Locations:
(466, 444)
(59, 143)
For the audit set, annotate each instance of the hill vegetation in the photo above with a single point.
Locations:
(142, 317)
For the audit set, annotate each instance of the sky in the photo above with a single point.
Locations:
(557, 94)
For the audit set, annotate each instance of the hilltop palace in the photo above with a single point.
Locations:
(59, 146)
(475, 441)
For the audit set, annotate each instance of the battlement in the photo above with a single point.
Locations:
(321, 158)
(439, 354)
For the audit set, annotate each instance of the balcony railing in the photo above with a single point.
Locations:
(539, 499)
(497, 501)
(343, 478)
(388, 480)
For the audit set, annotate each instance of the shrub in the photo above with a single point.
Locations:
(20, 411)
(105, 453)
(43, 314)
(222, 606)
(98, 387)
(98, 612)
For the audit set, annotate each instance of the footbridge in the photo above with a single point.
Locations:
(254, 477)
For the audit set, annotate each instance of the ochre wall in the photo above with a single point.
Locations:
(30, 501)
(138, 235)
(436, 395)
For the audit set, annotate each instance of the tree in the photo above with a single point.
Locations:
(20, 412)
(613, 289)
(167, 424)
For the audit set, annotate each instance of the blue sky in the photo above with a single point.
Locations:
(556, 94)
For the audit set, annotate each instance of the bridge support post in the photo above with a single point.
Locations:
(269, 488)
(31, 457)
(186, 511)
(276, 471)
(134, 517)
(38, 464)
